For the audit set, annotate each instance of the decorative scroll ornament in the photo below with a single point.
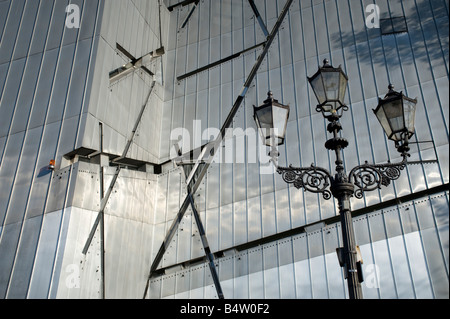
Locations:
(366, 178)
(313, 179)
(371, 177)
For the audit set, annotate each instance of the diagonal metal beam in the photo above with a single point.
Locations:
(105, 199)
(259, 18)
(210, 150)
(206, 248)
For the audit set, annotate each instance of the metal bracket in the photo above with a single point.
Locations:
(369, 177)
(313, 179)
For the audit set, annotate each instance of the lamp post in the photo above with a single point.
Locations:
(396, 114)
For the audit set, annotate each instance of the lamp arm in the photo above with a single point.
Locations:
(369, 177)
(313, 179)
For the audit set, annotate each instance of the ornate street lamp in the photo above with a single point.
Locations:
(272, 118)
(330, 85)
(396, 114)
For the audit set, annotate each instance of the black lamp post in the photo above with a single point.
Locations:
(396, 114)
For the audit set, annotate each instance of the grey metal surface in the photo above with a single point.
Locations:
(369, 59)
(306, 266)
(45, 256)
(216, 145)
(43, 84)
(54, 91)
(136, 28)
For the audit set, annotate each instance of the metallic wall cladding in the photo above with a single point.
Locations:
(78, 274)
(55, 91)
(416, 62)
(134, 25)
(44, 81)
(238, 203)
(137, 216)
(403, 242)
(186, 244)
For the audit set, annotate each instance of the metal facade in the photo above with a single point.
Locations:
(55, 93)
(45, 71)
(241, 205)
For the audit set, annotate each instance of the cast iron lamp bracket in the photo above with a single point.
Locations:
(364, 178)
(361, 179)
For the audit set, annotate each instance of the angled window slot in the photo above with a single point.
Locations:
(134, 63)
(393, 25)
(191, 12)
(144, 68)
(125, 52)
(182, 3)
(214, 64)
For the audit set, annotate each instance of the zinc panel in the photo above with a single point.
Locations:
(43, 89)
(24, 259)
(26, 30)
(8, 246)
(41, 27)
(24, 177)
(11, 29)
(45, 256)
(241, 203)
(56, 30)
(10, 94)
(8, 171)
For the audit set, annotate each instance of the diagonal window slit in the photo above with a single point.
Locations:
(185, 22)
(222, 61)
